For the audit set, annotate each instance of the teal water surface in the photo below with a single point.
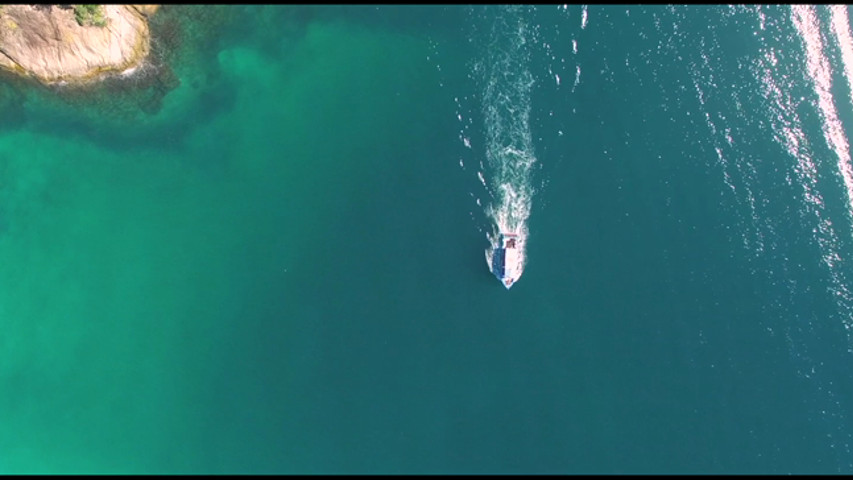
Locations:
(264, 253)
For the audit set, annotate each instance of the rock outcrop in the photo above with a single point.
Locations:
(46, 42)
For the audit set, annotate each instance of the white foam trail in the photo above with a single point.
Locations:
(805, 20)
(584, 17)
(508, 141)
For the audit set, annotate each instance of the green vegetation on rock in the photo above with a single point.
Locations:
(87, 15)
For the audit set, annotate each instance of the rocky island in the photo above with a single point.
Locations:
(72, 44)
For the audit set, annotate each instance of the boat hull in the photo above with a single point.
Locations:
(505, 260)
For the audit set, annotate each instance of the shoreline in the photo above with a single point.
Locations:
(46, 43)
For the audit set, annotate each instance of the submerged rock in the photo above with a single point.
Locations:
(45, 42)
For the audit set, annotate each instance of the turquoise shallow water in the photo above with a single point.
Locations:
(271, 257)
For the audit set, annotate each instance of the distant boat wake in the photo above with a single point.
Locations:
(509, 144)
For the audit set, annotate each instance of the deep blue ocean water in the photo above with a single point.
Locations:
(264, 252)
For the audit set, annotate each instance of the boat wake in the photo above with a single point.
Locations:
(507, 83)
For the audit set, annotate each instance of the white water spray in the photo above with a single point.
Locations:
(509, 142)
